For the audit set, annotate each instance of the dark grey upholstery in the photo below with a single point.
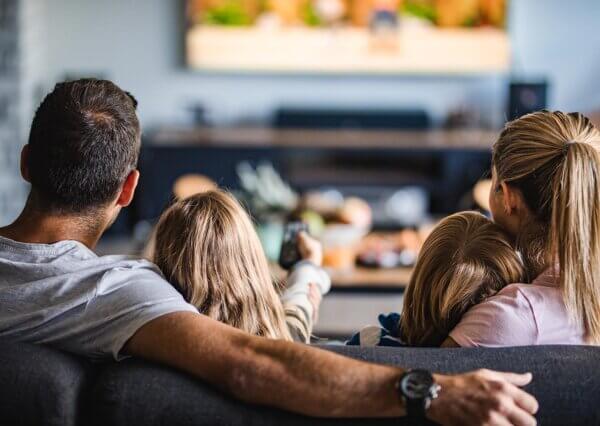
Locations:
(41, 386)
(44, 383)
(566, 378)
(138, 393)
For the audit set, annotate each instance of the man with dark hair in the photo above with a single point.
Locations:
(84, 141)
(81, 162)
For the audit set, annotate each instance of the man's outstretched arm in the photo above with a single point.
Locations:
(319, 383)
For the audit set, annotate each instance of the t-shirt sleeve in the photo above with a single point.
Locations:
(505, 319)
(126, 299)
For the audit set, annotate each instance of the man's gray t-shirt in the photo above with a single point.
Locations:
(65, 296)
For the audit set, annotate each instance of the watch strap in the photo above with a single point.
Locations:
(415, 408)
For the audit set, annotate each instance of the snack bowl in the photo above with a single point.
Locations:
(340, 243)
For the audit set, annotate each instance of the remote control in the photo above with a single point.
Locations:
(290, 254)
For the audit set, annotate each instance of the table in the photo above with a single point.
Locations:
(345, 139)
(369, 279)
(363, 280)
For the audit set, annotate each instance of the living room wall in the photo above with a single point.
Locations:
(139, 44)
(21, 66)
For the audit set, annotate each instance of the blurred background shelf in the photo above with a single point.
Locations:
(345, 139)
(364, 163)
(412, 50)
(394, 279)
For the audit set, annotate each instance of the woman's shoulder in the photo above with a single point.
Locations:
(542, 290)
(520, 314)
(514, 291)
(545, 284)
(513, 295)
(505, 319)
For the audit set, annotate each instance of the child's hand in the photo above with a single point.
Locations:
(310, 249)
(315, 297)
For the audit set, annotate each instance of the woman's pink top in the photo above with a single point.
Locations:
(520, 315)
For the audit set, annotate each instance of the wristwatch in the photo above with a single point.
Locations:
(418, 389)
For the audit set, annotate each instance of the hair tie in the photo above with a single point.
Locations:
(565, 147)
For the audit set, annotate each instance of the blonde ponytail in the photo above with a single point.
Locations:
(553, 159)
(575, 233)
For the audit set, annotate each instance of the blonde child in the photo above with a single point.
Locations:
(206, 246)
(465, 260)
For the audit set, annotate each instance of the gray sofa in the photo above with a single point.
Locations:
(42, 386)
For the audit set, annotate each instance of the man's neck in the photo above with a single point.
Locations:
(33, 226)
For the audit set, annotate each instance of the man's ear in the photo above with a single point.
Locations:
(513, 199)
(128, 189)
(25, 163)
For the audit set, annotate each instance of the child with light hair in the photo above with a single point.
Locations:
(465, 260)
(207, 247)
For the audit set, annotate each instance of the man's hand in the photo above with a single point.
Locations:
(310, 249)
(484, 398)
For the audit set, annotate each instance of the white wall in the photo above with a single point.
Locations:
(560, 39)
(34, 58)
(138, 43)
(27, 36)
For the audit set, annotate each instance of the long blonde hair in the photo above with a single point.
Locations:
(208, 249)
(553, 159)
(466, 259)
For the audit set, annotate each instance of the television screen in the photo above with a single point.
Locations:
(348, 36)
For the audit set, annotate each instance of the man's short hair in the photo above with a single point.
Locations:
(84, 142)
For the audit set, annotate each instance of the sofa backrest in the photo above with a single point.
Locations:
(565, 382)
(40, 386)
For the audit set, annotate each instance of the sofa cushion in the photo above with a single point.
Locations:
(135, 392)
(41, 386)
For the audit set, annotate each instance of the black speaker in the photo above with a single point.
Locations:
(526, 97)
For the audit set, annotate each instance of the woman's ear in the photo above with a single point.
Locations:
(512, 198)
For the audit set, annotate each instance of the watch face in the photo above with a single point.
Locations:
(417, 384)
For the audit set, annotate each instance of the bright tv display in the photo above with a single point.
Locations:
(348, 36)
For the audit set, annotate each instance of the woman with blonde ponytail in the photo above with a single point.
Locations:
(546, 194)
